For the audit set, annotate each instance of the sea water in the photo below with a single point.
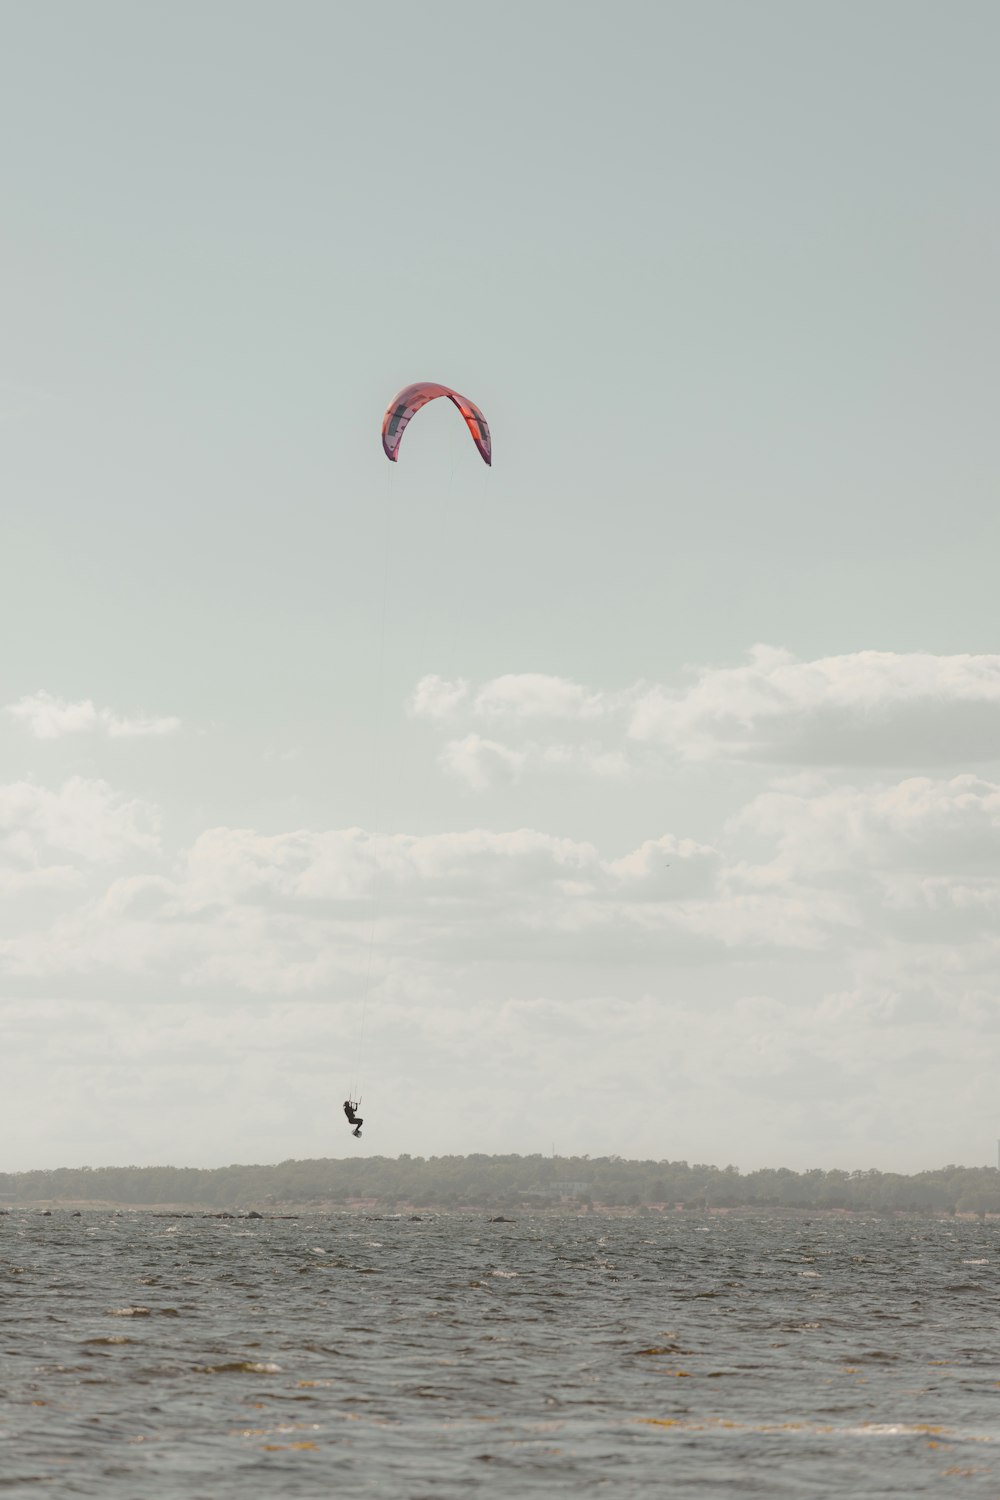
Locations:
(448, 1355)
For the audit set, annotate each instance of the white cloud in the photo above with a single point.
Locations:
(643, 874)
(437, 698)
(832, 869)
(867, 708)
(49, 718)
(918, 825)
(536, 695)
(483, 763)
(85, 818)
(19, 881)
(912, 863)
(295, 911)
(807, 867)
(515, 695)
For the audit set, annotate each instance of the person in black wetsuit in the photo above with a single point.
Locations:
(352, 1118)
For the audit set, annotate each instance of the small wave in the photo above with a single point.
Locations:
(242, 1367)
(812, 1429)
(143, 1312)
(283, 1429)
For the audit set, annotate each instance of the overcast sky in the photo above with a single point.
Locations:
(648, 784)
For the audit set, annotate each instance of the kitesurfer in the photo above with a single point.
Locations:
(352, 1118)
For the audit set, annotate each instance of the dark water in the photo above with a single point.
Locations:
(146, 1356)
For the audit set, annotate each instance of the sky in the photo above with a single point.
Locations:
(639, 795)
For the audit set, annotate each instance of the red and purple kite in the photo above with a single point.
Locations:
(412, 398)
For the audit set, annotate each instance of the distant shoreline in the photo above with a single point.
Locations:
(365, 1209)
(503, 1186)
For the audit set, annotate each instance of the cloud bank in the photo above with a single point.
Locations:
(869, 709)
(817, 962)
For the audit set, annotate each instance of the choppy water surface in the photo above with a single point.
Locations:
(448, 1355)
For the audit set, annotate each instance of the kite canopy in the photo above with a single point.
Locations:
(412, 398)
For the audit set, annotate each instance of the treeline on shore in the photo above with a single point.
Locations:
(503, 1182)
